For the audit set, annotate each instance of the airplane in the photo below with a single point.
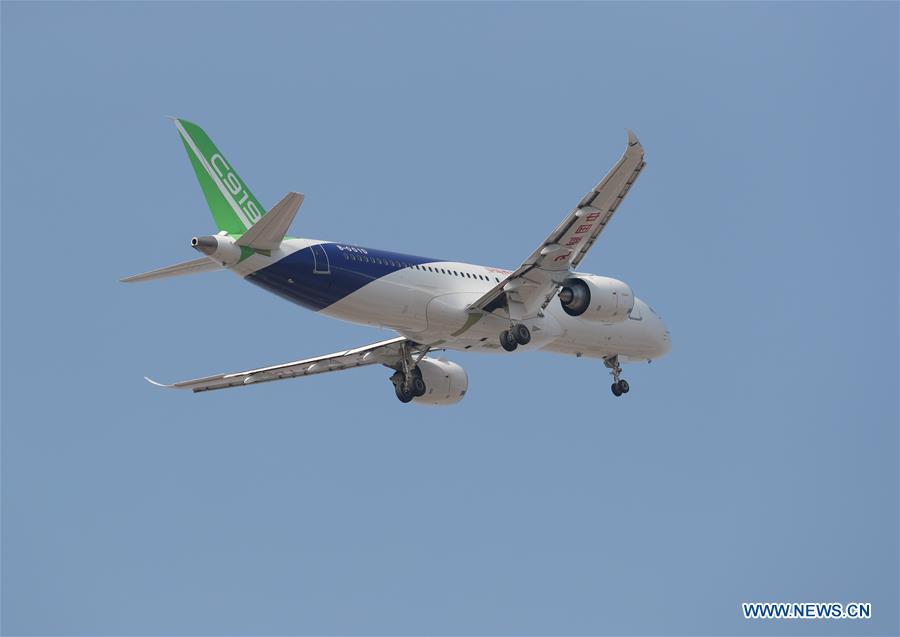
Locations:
(433, 305)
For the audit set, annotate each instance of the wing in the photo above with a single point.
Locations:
(390, 353)
(533, 284)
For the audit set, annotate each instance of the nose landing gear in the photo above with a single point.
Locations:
(620, 385)
(517, 334)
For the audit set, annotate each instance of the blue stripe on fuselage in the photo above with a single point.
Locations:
(342, 270)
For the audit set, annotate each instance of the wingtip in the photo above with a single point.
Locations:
(632, 138)
(153, 382)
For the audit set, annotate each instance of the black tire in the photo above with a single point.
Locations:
(623, 386)
(403, 395)
(417, 387)
(616, 390)
(508, 341)
(522, 334)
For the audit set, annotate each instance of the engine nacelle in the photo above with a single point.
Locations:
(445, 382)
(596, 298)
(220, 247)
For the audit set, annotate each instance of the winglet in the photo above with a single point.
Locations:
(632, 138)
(153, 382)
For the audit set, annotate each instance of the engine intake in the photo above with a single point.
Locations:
(596, 298)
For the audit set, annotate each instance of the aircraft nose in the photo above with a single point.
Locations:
(663, 337)
(667, 341)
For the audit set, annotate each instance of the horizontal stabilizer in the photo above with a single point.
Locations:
(204, 264)
(268, 232)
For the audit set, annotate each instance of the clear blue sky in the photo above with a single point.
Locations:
(759, 461)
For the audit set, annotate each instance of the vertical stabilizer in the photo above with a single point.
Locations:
(233, 206)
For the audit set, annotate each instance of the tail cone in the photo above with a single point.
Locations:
(206, 245)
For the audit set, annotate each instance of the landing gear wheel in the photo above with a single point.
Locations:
(508, 341)
(619, 386)
(417, 387)
(402, 394)
(521, 333)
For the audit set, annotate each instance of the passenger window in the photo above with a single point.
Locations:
(345, 256)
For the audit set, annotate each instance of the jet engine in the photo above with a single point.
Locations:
(596, 298)
(445, 382)
(220, 247)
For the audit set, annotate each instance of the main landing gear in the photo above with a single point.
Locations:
(407, 391)
(620, 385)
(517, 334)
(408, 382)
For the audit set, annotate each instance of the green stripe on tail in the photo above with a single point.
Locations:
(233, 206)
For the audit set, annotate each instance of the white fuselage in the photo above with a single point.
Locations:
(426, 301)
